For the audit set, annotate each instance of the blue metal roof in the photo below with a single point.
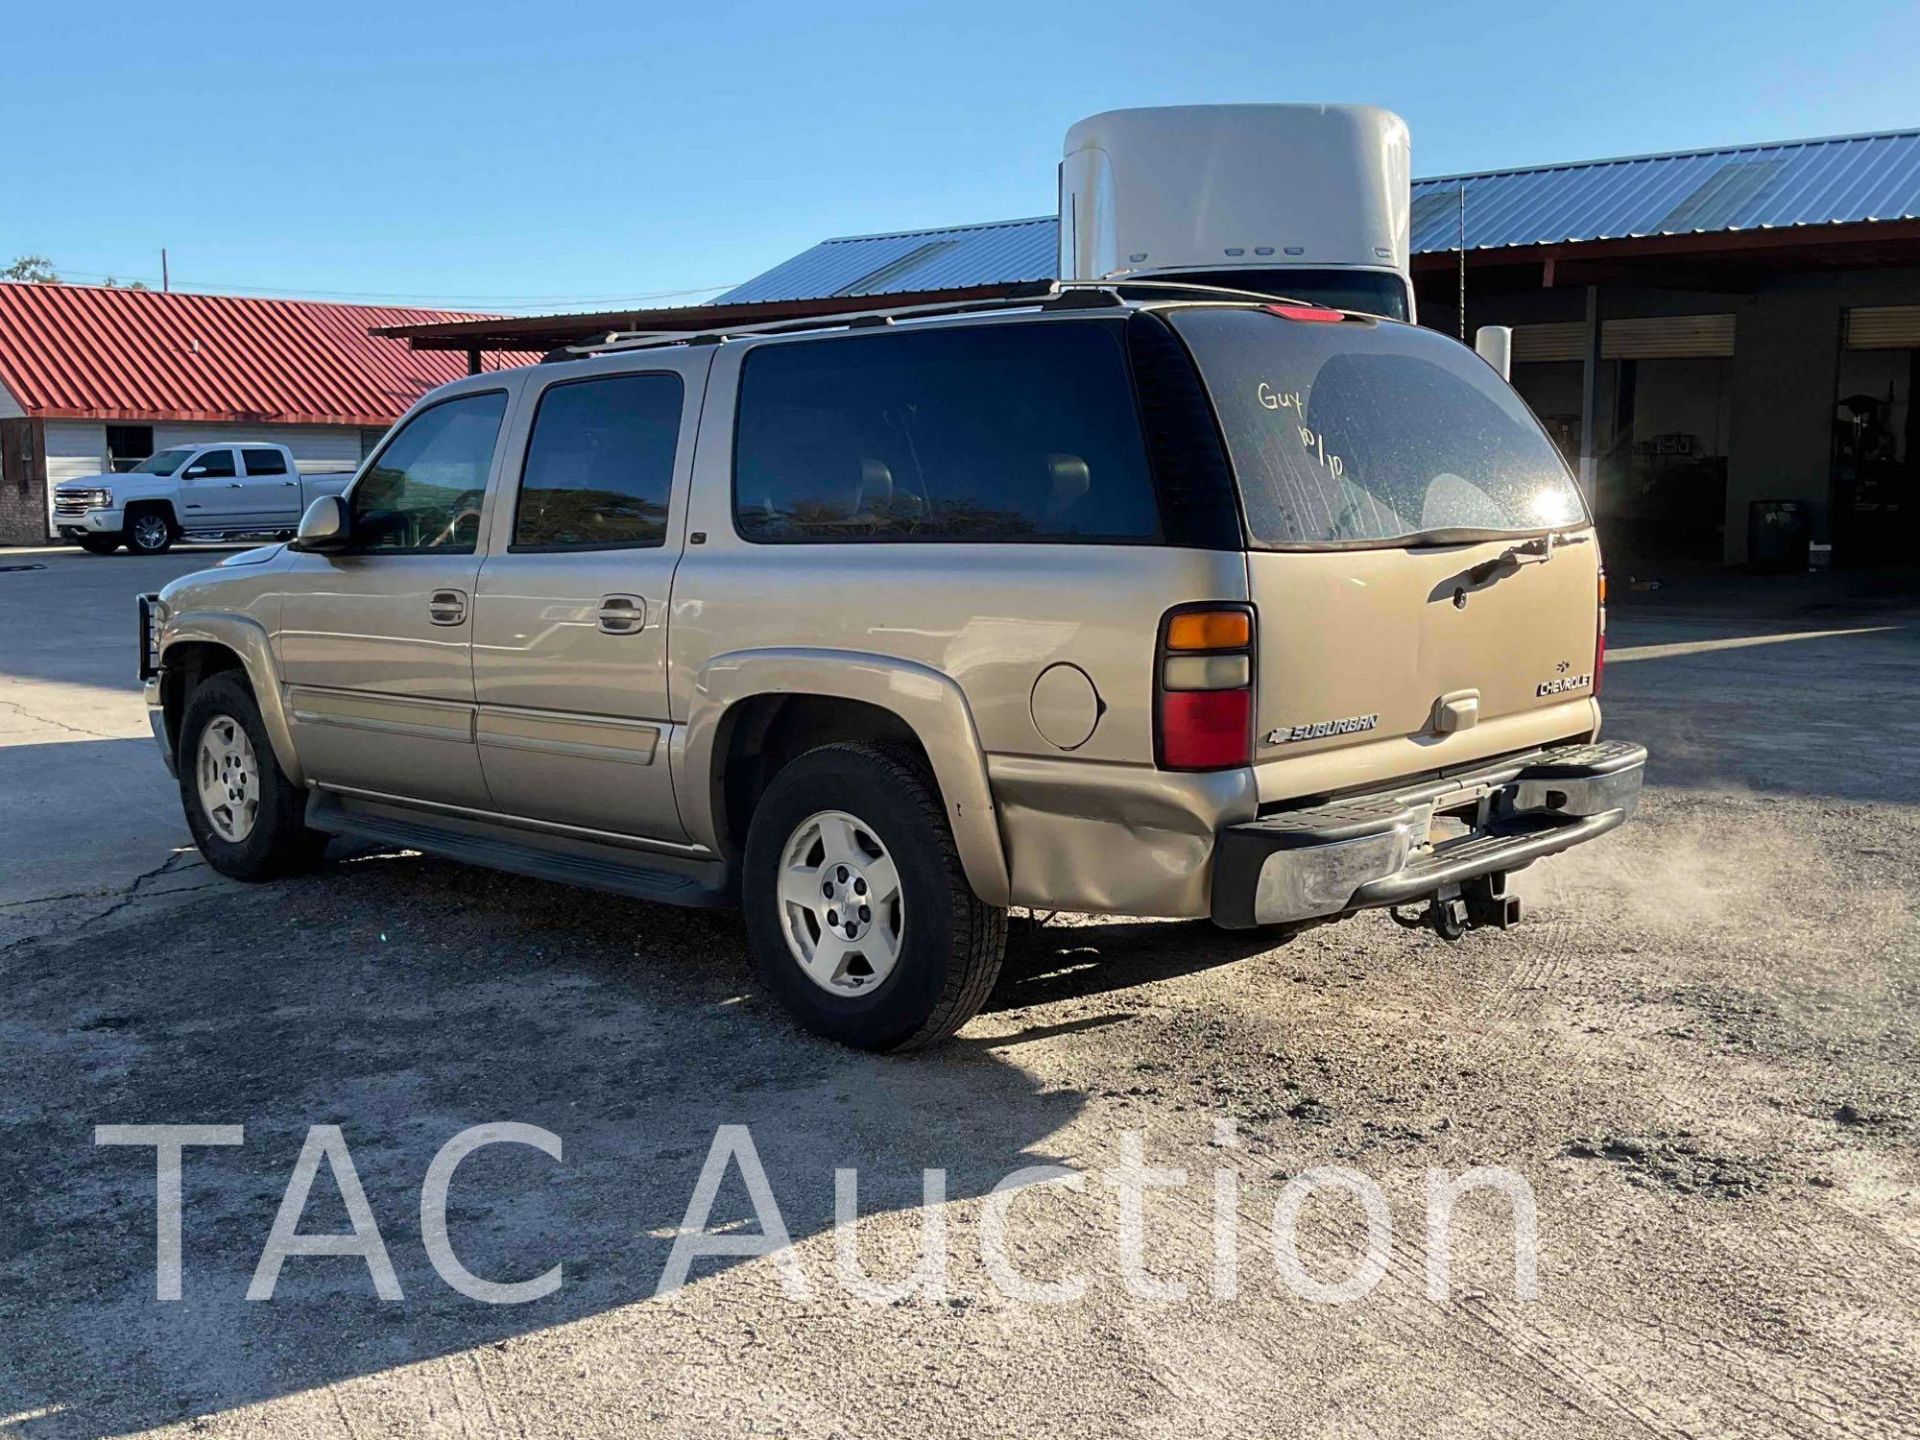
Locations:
(1843, 180)
(997, 253)
(1835, 181)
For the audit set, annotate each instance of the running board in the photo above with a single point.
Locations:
(642, 875)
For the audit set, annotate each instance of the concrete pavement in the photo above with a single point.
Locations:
(91, 814)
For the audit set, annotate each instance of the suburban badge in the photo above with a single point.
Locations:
(1286, 734)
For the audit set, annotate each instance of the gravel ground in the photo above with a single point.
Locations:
(1700, 1053)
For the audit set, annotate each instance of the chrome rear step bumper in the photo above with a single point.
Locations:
(1424, 837)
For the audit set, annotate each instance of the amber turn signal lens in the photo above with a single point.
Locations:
(1209, 630)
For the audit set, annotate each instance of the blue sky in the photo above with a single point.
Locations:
(524, 157)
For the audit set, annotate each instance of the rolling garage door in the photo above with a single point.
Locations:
(1883, 327)
(1657, 337)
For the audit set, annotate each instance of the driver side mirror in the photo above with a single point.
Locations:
(326, 527)
(195, 472)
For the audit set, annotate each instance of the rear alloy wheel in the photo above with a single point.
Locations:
(149, 533)
(840, 903)
(858, 911)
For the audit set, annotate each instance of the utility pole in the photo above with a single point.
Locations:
(164, 285)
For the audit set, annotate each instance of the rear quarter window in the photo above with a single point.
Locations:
(1364, 432)
(1021, 432)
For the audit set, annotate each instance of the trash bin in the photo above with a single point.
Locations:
(1778, 534)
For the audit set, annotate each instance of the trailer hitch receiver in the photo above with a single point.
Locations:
(1456, 909)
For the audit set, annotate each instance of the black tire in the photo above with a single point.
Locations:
(99, 544)
(951, 942)
(278, 842)
(144, 537)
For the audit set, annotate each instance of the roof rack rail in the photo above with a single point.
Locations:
(1044, 294)
(1041, 294)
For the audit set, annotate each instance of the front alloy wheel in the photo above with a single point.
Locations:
(246, 816)
(228, 775)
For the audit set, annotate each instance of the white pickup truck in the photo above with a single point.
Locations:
(199, 492)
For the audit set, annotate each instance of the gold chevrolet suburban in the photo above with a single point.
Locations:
(1147, 600)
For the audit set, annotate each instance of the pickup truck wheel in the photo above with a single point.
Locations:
(99, 544)
(248, 819)
(858, 911)
(149, 532)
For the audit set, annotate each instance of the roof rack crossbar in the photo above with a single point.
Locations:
(1120, 282)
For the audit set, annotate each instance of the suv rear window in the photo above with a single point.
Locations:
(1368, 433)
(987, 432)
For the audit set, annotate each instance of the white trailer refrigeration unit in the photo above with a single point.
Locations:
(1307, 201)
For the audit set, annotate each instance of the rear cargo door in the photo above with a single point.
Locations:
(1421, 561)
(1363, 645)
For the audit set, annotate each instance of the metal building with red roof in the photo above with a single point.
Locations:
(98, 378)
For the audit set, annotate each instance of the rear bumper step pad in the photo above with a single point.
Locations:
(1378, 848)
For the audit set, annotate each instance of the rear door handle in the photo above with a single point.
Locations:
(623, 614)
(447, 607)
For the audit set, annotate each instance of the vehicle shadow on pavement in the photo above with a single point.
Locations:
(1058, 961)
(405, 1000)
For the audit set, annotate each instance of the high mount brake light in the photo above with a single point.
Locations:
(1318, 314)
(1203, 688)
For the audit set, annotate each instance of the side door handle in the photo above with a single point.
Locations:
(623, 614)
(447, 607)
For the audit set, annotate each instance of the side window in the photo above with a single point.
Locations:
(989, 432)
(212, 465)
(264, 462)
(600, 464)
(424, 490)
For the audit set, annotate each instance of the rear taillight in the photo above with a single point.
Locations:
(1203, 688)
(1600, 636)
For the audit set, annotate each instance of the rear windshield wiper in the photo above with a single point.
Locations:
(1540, 548)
